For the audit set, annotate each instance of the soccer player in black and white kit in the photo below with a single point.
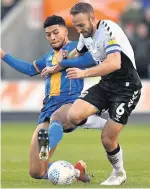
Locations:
(119, 89)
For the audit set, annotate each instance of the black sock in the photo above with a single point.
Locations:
(115, 151)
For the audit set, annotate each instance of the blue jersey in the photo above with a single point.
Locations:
(59, 90)
(57, 84)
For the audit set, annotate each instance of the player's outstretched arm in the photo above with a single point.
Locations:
(84, 61)
(111, 64)
(19, 65)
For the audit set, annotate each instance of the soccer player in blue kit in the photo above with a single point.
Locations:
(60, 93)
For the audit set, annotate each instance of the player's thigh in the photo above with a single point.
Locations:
(61, 115)
(90, 102)
(36, 165)
(82, 108)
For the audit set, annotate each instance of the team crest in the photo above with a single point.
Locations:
(50, 58)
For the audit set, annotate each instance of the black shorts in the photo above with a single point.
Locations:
(118, 100)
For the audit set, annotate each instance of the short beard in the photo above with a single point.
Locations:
(60, 47)
(57, 48)
(90, 34)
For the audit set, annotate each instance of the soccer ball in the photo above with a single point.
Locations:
(61, 172)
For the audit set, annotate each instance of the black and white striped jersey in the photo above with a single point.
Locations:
(110, 38)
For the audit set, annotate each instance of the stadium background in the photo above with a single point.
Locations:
(22, 35)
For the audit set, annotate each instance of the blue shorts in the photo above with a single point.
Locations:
(50, 105)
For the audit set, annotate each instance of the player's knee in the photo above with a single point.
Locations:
(73, 118)
(35, 174)
(56, 117)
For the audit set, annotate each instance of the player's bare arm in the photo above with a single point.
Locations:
(110, 64)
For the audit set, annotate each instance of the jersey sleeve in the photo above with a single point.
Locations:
(81, 48)
(111, 43)
(83, 61)
(40, 64)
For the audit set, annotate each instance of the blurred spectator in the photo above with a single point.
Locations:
(136, 24)
(129, 30)
(147, 18)
(134, 12)
(142, 50)
(6, 5)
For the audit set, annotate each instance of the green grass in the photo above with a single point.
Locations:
(81, 144)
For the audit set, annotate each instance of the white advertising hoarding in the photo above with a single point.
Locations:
(28, 96)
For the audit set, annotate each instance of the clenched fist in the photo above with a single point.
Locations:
(75, 73)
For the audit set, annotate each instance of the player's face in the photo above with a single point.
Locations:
(84, 24)
(57, 36)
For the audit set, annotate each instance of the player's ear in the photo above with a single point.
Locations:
(66, 32)
(92, 17)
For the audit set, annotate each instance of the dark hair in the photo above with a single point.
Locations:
(81, 8)
(54, 20)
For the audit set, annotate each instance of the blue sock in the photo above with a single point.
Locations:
(55, 133)
(46, 172)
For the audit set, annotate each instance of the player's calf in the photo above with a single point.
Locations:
(114, 153)
(35, 174)
(48, 139)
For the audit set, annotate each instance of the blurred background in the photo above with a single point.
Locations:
(22, 35)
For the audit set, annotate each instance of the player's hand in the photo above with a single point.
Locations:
(57, 68)
(2, 53)
(65, 54)
(47, 70)
(74, 73)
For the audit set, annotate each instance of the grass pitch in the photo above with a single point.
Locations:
(80, 144)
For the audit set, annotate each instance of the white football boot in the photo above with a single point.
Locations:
(115, 179)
